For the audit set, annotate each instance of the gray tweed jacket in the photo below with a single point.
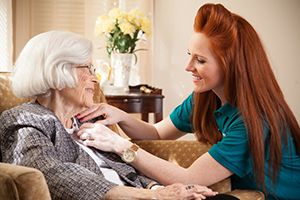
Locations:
(31, 135)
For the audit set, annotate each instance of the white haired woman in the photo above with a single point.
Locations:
(55, 68)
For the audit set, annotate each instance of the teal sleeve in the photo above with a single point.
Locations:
(232, 151)
(181, 115)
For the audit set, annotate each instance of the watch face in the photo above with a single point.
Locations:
(129, 155)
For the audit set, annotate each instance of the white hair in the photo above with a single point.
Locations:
(47, 62)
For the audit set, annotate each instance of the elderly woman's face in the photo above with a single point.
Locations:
(82, 94)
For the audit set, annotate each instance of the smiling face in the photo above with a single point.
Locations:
(82, 94)
(207, 74)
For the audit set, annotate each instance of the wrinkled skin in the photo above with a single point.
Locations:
(183, 192)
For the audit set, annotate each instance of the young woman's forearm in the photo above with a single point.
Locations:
(203, 171)
(138, 129)
(161, 170)
(125, 192)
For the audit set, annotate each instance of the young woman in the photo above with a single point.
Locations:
(237, 106)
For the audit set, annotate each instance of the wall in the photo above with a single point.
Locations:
(276, 21)
(32, 17)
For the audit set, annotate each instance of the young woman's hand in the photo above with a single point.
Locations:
(179, 191)
(101, 137)
(108, 114)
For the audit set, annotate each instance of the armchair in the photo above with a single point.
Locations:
(184, 153)
(27, 183)
(22, 183)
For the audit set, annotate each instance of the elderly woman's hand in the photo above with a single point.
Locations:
(110, 114)
(180, 191)
(172, 192)
(103, 138)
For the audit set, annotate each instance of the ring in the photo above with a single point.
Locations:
(188, 187)
(89, 136)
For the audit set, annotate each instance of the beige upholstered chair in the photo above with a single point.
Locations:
(22, 183)
(8, 99)
(182, 153)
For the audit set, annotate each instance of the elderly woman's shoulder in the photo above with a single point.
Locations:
(27, 113)
(27, 108)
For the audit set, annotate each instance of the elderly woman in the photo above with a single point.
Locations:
(55, 69)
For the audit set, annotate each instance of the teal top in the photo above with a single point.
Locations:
(233, 152)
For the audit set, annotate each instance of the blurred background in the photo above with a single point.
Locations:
(162, 65)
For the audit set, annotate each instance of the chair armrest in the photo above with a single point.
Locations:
(18, 182)
(181, 152)
(247, 194)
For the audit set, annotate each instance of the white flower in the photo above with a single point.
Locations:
(146, 25)
(104, 24)
(116, 13)
(122, 29)
(127, 28)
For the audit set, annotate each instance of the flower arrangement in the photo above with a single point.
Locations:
(122, 29)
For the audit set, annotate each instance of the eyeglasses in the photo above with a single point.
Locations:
(91, 68)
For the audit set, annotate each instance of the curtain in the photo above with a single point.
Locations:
(5, 35)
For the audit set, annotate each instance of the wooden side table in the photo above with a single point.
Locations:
(137, 101)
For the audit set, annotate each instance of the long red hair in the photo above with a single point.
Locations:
(249, 84)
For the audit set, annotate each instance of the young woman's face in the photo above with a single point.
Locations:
(82, 94)
(206, 73)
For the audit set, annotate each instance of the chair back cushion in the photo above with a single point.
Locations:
(8, 99)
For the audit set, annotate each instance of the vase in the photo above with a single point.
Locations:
(121, 64)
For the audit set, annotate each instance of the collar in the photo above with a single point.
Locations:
(226, 110)
(75, 126)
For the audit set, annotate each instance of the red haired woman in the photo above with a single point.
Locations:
(237, 106)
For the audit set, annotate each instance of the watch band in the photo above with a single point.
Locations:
(134, 147)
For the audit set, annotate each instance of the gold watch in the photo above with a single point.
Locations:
(130, 154)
